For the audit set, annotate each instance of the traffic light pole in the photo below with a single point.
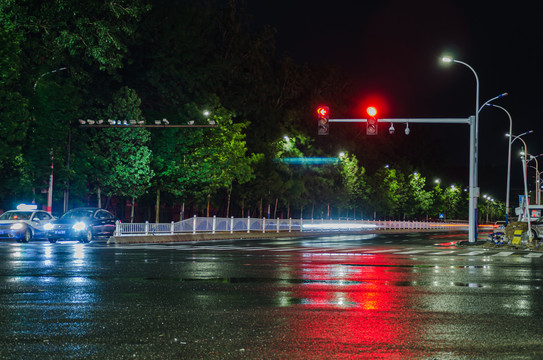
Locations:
(414, 121)
(473, 189)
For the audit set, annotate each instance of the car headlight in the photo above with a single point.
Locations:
(79, 226)
(48, 226)
(17, 226)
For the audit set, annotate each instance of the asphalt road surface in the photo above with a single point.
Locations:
(411, 296)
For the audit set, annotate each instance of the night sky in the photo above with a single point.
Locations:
(391, 51)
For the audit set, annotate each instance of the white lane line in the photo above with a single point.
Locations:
(471, 253)
(410, 252)
(353, 249)
(442, 252)
(383, 251)
(504, 253)
(533, 255)
(286, 249)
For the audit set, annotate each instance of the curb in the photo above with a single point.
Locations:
(157, 239)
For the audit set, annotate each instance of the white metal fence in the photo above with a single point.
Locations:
(218, 224)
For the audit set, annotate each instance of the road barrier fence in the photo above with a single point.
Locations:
(221, 224)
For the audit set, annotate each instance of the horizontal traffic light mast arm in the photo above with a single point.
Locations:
(414, 121)
(148, 126)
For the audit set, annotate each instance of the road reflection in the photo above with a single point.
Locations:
(362, 304)
(310, 303)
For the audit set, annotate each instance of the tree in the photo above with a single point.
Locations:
(438, 203)
(452, 199)
(125, 153)
(224, 155)
(70, 30)
(386, 196)
(82, 37)
(419, 200)
(14, 113)
(354, 180)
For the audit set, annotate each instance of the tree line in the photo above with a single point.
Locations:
(187, 62)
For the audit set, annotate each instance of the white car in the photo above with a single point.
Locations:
(24, 225)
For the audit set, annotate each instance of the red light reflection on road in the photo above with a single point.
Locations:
(364, 306)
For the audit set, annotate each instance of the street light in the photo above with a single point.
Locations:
(508, 161)
(473, 189)
(524, 164)
(47, 73)
(488, 102)
(50, 188)
(489, 202)
(537, 190)
(537, 183)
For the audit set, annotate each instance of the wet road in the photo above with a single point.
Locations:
(413, 296)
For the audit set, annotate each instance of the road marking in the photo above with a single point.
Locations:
(504, 253)
(410, 252)
(354, 249)
(442, 252)
(382, 251)
(286, 249)
(472, 253)
(533, 255)
(254, 248)
(331, 250)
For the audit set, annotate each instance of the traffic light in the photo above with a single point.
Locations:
(323, 115)
(371, 126)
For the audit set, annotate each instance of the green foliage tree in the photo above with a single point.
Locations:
(89, 32)
(452, 199)
(438, 197)
(224, 155)
(126, 155)
(14, 114)
(418, 200)
(354, 180)
(387, 197)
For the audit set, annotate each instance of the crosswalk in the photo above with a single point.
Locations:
(340, 250)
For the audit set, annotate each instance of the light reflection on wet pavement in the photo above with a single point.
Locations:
(74, 300)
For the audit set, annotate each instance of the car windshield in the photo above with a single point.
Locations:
(78, 214)
(16, 215)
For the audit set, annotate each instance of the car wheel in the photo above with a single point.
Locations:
(88, 236)
(534, 235)
(52, 241)
(27, 236)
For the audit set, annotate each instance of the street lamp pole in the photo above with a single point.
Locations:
(537, 194)
(526, 199)
(537, 182)
(50, 188)
(474, 130)
(508, 162)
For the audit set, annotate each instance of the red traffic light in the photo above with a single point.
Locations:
(323, 111)
(323, 114)
(371, 111)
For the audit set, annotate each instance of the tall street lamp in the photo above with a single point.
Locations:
(537, 184)
(537, 192)
(473, 189)
(50, 188)
(526, 199)
(508, 161)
